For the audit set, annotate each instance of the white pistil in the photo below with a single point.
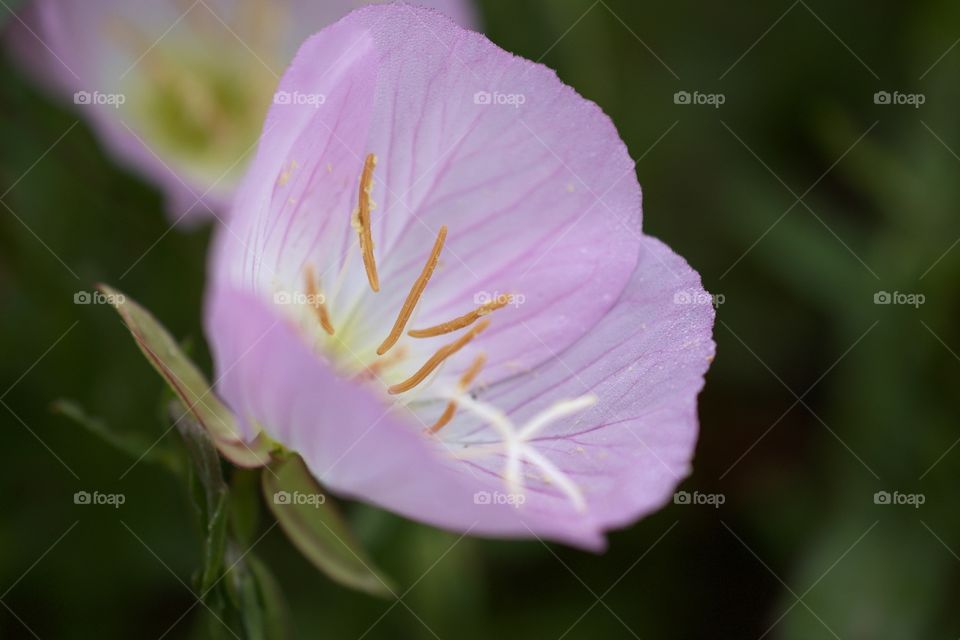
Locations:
(553, 475)
(555, 412)
(516, 444)
(496, 418)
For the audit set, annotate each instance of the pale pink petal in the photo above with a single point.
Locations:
(540, 198)
(350, 438)
(645, 363)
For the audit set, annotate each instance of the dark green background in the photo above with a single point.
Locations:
(799, 540)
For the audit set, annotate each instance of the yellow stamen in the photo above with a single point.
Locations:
(317, 302)
(363, 221)
(463, 321)
(465, 381)
(436, 359)
(415, 292)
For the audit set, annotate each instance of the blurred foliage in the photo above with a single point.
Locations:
(798, 550)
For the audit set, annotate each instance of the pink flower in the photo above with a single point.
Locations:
(435, 288)
(176, 90)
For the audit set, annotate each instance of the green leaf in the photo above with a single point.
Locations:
(273, 606)
(132, 444)
(316, 528)
(244, 505)
(211, 496)
(255, 597)
(214, 544)
(188, 383)
(251, 609)
(203, 455)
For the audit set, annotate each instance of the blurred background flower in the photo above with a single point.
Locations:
(176, 89)
(801, 196)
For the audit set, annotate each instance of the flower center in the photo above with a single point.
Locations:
(515, 443)
(389, 353)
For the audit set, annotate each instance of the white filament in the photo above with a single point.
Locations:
(515, 443)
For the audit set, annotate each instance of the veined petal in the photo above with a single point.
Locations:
(352, 440)
(305, 170)
(591, 380)
(532, 180)
(644, 363)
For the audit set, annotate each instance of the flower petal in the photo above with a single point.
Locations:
(537, 189)
(540, 200)
(645, 363)
(352, 441)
